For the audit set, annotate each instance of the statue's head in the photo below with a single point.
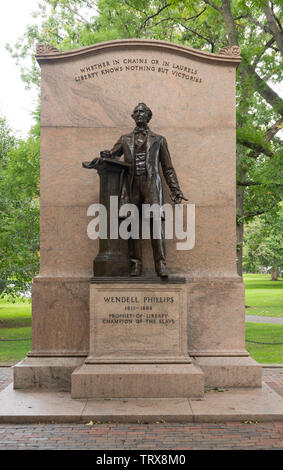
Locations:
(142, 113)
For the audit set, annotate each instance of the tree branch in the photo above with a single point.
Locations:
(264, 89)
(230, 23)
(193, 17)
(80, 17)
(247, 183)
(213, 5)
(177, 19)
(134, 8)
(260, 85)
(153, 16)
(257, 183)
(275, 30)
(199, 35)
(262, 211)
(259, 148)
(270, 133)
(265, 47)
(257, 23)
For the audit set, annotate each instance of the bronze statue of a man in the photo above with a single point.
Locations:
(144, 150)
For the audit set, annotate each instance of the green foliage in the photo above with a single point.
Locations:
(19, 209)
(263, 183)
(264, 242)
(7, 140)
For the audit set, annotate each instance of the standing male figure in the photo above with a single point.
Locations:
(142, 183)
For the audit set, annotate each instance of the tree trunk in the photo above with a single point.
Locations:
(233, 41)
(274, 27)
(240, 229)
(275, 274)
(240, 194)
(230, 23)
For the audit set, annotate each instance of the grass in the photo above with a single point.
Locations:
(16, 315)
(265, 333)
(14, 351)
(15, 323)
(264, 297)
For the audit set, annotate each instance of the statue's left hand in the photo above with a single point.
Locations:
(177, 197)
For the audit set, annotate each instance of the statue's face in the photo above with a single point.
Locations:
(140, 115)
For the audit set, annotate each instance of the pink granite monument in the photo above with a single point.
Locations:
(87, 96)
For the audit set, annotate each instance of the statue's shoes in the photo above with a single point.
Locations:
(136, 270)
(161, 270)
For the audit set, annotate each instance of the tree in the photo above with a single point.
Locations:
(7, 140)
(19, 207)
(254, 25)
(264, 242)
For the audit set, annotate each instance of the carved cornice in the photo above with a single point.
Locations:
(231, 55)
(234, 51)
(43, 49)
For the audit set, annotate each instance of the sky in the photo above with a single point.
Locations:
(16, 103)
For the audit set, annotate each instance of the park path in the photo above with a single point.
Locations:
(262, 319)
(156, 436)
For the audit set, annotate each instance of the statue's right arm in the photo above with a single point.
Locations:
(117, 150)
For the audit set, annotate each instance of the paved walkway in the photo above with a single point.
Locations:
(231, 436)
(158, 436)
(262, 319)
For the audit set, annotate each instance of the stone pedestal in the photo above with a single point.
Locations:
(138, 343)
(216, 333)
(110, 261)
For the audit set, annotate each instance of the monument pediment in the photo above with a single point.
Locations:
(225, 55)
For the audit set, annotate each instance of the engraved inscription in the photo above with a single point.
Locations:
(138, 64)
(143, 310)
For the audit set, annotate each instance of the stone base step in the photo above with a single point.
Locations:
(137, 381)
(35, 406)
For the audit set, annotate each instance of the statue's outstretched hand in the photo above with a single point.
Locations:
(177, 197)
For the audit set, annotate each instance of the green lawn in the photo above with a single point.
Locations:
(14, 351)
(265, 333)
(15, 323)
(17, 314)
(263, 297)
